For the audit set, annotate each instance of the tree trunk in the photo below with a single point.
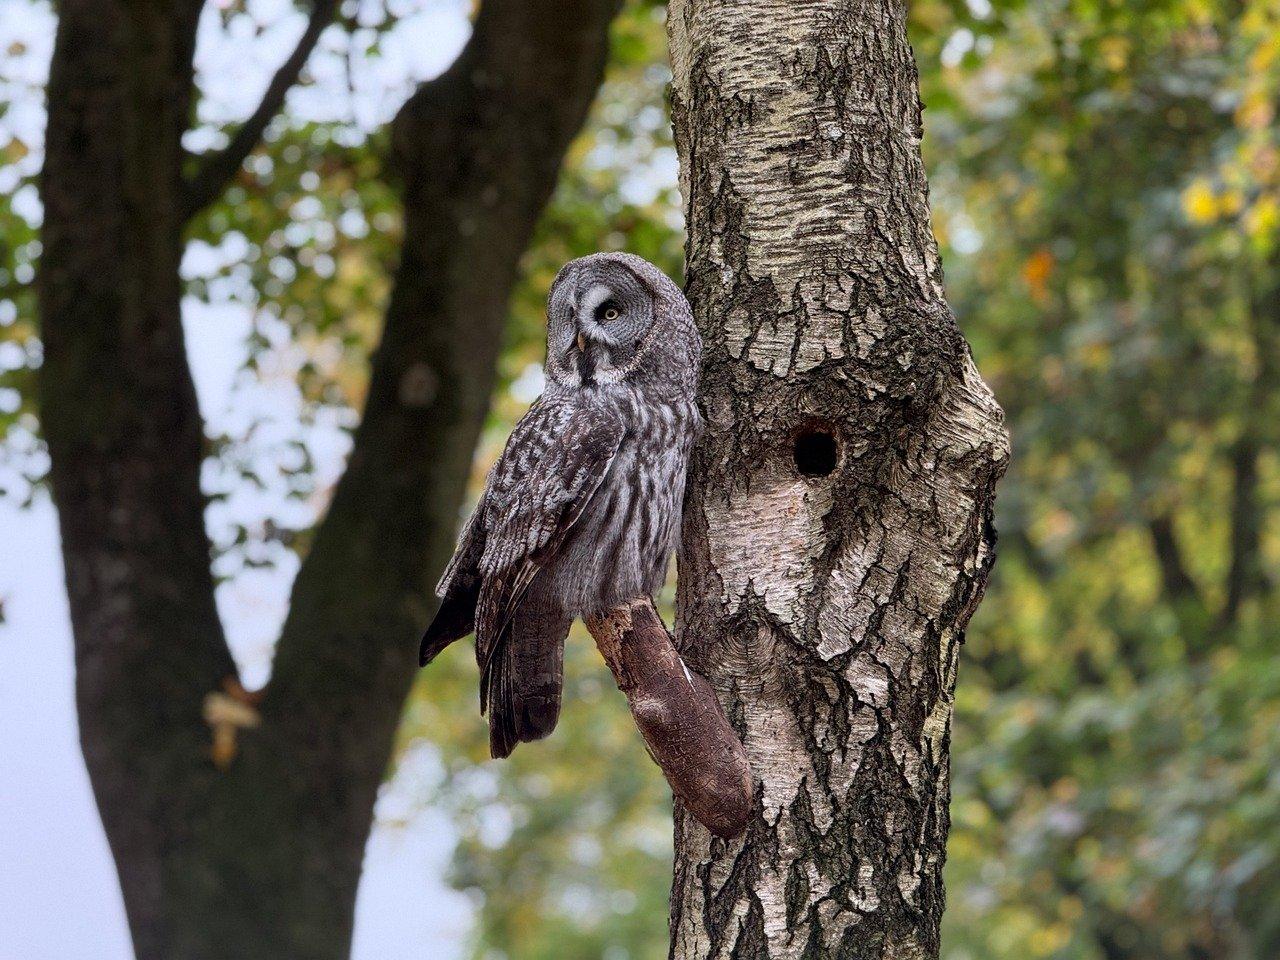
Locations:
(259, 856)
(120, 417)
(478, 151)
(838, 529)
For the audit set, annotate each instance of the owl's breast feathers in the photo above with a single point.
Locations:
(620, 547)
(584, 502)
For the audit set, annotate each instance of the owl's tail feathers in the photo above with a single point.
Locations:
(522, 686)
(454, 620)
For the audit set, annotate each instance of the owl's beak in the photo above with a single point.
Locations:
(582, 343)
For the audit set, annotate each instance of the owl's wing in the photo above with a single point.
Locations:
(552, 466)
(458, 590)
(553, 463)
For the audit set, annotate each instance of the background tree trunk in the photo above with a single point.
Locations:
(124, 432)
(838, 530)
(262, 859)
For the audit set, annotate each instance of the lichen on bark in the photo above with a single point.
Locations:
(824, 594)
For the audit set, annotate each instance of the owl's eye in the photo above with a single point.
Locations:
(611, 314)
(608, 312)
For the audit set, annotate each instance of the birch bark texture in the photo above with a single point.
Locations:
(838, 529)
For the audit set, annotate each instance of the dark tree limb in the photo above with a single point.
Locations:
(1181, 591)
(677, 713)
(1178, 583)
(1245, 577)
(216, 168)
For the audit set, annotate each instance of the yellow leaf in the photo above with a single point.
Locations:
(1255, 111)
(1036, 271)
(1199, 202)
(1263, 217)
(1115, 53)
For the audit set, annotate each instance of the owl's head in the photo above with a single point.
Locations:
(613, 317)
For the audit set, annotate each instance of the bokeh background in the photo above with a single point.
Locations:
(1105, 180)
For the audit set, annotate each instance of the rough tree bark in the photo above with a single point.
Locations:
(261, 858)
(838, 529)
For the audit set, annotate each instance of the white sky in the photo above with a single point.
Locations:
(59, 898)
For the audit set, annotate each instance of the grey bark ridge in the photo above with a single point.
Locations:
(838, 530)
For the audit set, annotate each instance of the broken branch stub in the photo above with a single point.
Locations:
(677, 713)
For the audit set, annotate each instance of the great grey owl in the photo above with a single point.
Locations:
(582, 510)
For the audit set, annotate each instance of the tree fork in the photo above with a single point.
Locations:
(838, 528)
(251, 847)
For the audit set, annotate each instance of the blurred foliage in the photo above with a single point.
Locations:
(22, 459)
(1105, 181)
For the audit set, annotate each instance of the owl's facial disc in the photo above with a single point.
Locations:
(596, 308)
(613, 310)
(599, 313)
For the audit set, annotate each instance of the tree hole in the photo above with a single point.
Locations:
(816, 452)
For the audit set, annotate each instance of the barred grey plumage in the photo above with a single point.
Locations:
(582, 510)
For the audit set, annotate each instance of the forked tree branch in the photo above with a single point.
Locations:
(477, 152)
(677, 713)
(217, 168)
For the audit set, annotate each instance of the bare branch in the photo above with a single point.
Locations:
(1243, 577)
(1246, 578)
(1178, 584)
(677, 713)
(217, 168)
